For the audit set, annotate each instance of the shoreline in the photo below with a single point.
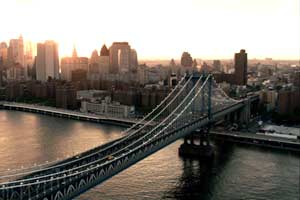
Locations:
(68, 114)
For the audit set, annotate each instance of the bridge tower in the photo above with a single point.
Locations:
(197, 143)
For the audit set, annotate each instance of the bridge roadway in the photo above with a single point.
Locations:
(258, 140)
(52, 111)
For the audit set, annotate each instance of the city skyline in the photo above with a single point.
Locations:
(160, 30)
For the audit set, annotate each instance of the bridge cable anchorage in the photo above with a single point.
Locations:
(182, 89)
(77, 172)
(124, 132)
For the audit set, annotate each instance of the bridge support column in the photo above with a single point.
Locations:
(197, 145)
(245, 114)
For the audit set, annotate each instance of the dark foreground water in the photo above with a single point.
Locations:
(237, 172)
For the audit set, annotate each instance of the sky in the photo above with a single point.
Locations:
(159, 29)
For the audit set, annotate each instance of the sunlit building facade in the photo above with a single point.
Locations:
(47, 61)
(119, 57)
(70, 64)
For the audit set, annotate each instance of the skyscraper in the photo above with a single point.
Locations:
(99, 65)
(240, 65)
(15, 52)
(104, 60)
(217, 65)
(104, 51)
(47, 64)
(119, 57)
(70, 64)
(3, 51)
(186, 60)
(134, 60)
(1, 70)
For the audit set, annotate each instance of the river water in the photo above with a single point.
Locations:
(236, 172)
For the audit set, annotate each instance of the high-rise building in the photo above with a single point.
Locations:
(15, 52)
(47, 62)
(74, 53)
(297, 79)
(195, 63)
(99, 65)
(186, 60)
(217, 65)
(104, 51)
(94, 57)
(66, 96)
(16, 72)
(134, 60)
(79, 75)
(3, 51)
(205, 67)
(29, 52)
(103, 61)
(70, 64)
(172, 63)
(119, 57)
(288, 101)
(94, 67)
(240, 65)
(1, 71)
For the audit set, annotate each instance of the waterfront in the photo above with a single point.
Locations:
(237, 172)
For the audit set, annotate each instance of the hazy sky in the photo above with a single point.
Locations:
(159, 28)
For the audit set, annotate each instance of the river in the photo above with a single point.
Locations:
(236, 172)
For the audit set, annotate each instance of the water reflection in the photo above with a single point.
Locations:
(198, 175)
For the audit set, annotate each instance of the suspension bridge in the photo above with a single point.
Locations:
(195, 102)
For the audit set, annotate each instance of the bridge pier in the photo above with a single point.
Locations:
(197, 145)
(245, 114)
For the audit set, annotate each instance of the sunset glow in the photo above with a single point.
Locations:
(159, 28)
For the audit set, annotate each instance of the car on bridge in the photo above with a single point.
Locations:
(110, 157)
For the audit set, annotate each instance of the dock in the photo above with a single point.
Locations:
(69, 114)
(257, 140)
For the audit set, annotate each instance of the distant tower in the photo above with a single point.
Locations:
(16, 51)
(1, 69)
(74, 53)
(72, 67)
(104, 51)
(47, 61)
(133, 60)
(172, 63)
(103, 61)
(205, 68)
(195, 64)
(3, 51)
(217, 65)
(94, 57)
(240, 65)
(119, 57)
(186, 60)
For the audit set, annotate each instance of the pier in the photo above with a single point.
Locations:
(257, 140)
(69, 114)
